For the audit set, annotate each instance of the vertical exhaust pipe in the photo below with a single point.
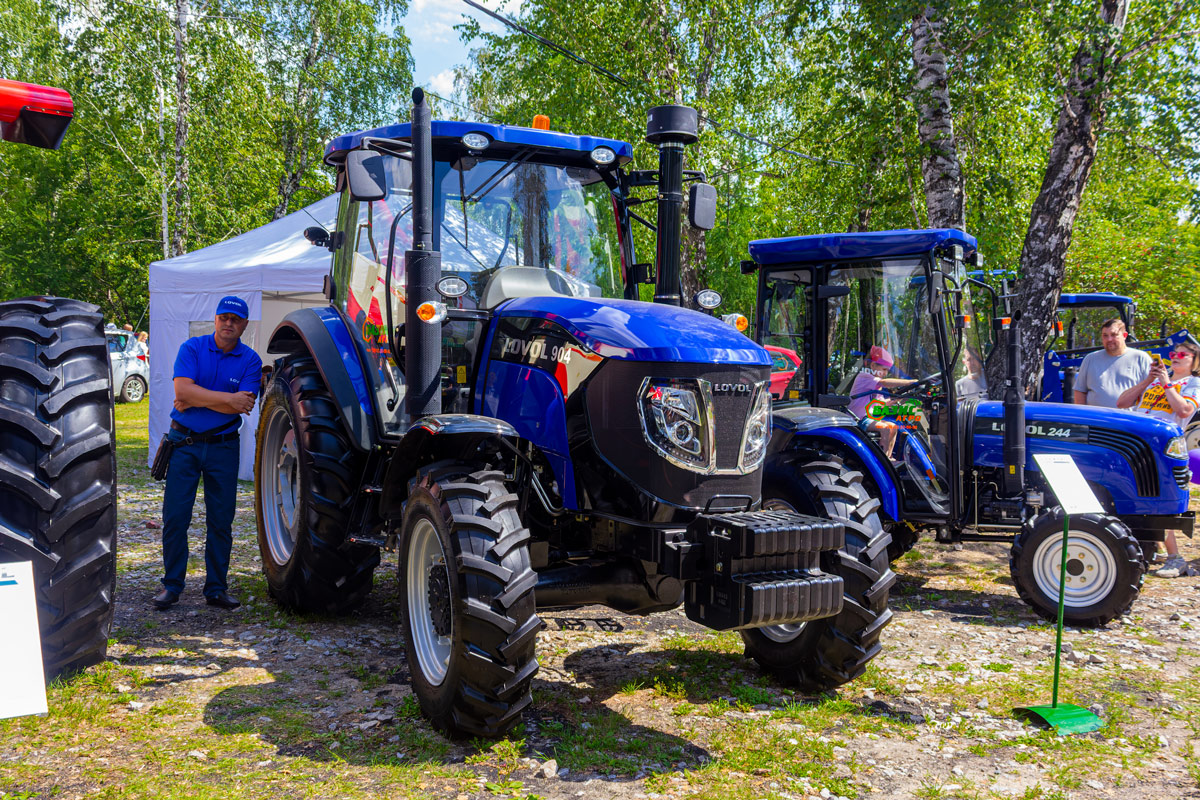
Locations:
(423, 268)
(1014, 415)
(670, 128)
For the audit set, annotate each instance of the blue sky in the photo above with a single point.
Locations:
(436, 47)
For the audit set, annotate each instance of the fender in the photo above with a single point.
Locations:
(431, 438)
(323, 333)
(799, 426)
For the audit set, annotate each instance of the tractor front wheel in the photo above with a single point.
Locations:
(1105, 568)
(826, 653)
(466, 598)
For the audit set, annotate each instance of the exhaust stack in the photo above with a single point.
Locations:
(671, 128)
(1014, 414)
(423, 268)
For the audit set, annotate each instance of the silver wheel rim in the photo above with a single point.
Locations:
(1091, 569)
(425, 554)
(279, 482)
(134, 391)
(781, 633)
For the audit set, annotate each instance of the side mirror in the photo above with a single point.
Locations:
(317, 235)
(364, 175)
(702, 206)
(937, 285)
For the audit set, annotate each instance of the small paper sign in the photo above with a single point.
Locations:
(1068, 483)
(22, 684)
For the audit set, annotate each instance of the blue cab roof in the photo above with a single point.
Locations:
(842, 246)
(1094, 299)
(509, 134)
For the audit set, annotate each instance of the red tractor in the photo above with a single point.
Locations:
(58, 501)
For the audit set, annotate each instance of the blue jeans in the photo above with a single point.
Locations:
(218, 464)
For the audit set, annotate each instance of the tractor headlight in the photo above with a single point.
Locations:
(1177, 448)
(675, 421)
(758, 430)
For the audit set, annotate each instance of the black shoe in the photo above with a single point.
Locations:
(223, 600)
(165, 599)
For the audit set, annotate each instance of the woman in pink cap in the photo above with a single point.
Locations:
(876, 364)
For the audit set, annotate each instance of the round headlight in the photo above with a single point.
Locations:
(452, 286)
(738, 321)
(604, 155)
(476, 141)
(708, 298)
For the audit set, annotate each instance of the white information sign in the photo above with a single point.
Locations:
(22, 685)
(1068, 483)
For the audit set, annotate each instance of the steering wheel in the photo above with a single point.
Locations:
(900, 391)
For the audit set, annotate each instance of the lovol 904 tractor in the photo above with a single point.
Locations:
(495, 407)
(889, 322)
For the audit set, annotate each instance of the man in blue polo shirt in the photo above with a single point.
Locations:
(217, 379)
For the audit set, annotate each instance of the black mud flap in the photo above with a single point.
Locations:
(762, 568)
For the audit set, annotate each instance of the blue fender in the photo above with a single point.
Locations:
(322, 332)
(800, 427)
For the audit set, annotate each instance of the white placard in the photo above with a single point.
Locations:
(22, 684)
(1068, 483)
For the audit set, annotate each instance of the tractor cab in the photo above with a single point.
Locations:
(888, 332)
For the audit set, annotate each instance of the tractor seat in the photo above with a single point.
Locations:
(509, 282)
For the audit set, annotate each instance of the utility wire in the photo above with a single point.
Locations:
(643, 89)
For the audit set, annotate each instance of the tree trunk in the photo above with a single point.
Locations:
(182, 107)
(1052, 219)
(940, 170)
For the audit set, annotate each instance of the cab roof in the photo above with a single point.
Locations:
(1094, 299)
(504, 134)
(846, 246)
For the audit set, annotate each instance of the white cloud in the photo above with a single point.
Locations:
(442, 83)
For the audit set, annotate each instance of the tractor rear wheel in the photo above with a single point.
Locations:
(1105, 567)
(306, 477)
(826, 653)
(58, 495)
(466, 598)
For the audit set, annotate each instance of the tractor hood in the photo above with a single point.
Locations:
(1066, 415)
(633, 330)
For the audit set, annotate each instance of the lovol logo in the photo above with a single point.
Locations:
(732, 388)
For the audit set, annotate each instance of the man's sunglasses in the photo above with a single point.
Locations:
(1182, 354)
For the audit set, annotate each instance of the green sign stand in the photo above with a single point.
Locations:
(1067, 482)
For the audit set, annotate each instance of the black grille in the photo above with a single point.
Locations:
(1183, 476)
(1136, 452)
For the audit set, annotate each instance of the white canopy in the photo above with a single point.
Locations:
(273, 268)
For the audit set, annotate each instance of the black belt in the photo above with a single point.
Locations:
(202, 438)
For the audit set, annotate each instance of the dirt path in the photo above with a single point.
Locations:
(198, 702)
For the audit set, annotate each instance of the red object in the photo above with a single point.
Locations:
(34, 115)
(782, 375)
(880, 356)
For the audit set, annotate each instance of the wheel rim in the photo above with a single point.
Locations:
(1091, 569)
(279, 480)
(134, 391)
(430, 621)
(781, 633)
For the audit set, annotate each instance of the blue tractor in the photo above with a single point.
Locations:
(498, 406)
(890, 328)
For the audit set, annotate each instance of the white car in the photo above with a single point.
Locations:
(129, 366)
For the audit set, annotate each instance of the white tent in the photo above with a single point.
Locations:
(273, 268)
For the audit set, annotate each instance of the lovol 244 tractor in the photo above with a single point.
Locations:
(892, 317)
(495, 406)
(58, 493)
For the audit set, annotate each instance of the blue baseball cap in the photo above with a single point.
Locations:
(232, 304)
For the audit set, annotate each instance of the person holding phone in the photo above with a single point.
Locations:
(1174, 398)
(1105, 374)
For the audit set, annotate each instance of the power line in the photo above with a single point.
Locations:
(643, 89)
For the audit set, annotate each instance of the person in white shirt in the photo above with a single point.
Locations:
(1105, 374)
(1174, 399)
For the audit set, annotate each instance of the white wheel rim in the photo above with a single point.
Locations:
(781, 633)
(279, 482)
(425, 555)
(134, 393)
(1091, 569)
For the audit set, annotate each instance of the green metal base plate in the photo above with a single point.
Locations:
(1065, 718)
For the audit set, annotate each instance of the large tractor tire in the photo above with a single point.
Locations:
(306, 476)
(466, 598)
(1105, 568)
(827, 653)
(58, 495)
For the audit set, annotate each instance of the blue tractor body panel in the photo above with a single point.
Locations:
(1094, 299)
(843, 246)
(1122, 452)
(508, 134)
